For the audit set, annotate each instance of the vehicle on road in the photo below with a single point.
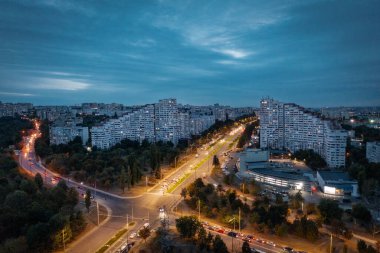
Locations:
(133, 235)
(287, 249)
(220, 230)
(232, 234)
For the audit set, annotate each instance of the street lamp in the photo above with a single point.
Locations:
(199, 209)
(175, 162)
(232, 240)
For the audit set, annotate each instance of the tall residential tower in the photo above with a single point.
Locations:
(290, 126)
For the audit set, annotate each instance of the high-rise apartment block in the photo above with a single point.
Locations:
(162, 121)
(167, 121)
(373, 152)
(287, 125)
(64, 134)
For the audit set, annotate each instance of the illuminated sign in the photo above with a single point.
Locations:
(299, 186)
(329, 190)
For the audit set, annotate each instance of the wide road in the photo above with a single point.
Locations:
(141, 209)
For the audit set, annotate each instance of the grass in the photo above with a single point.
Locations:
(199, 164)
(111, 241)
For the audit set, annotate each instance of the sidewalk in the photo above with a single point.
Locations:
(82, 237)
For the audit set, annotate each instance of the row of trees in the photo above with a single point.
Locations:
(264, 215)
(271, 215)
(11, 130)
(312, 159)
(367, 174)
(246, 135)
(364, 248)
(359, 168)
(121, 166)
(191, 229)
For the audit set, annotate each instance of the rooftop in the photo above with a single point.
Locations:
(334, 176)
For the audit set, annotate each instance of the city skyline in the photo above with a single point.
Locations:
(317, 54)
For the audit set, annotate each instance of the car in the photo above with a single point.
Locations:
(246, 239)
(220, 231)
(146, 225)
(133, 235)
(271, 243)
(249, 236)
(288, 249)
(240, 235)
(161, 209)
(232, 234)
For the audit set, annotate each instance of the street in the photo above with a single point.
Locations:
(140, 209)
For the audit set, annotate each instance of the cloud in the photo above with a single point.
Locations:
(228, 62)
(142, 42)
(16, 94)
(61, 84)
(235, 53)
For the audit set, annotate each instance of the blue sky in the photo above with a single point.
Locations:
(314, 53)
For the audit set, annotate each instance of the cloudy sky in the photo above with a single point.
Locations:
(315, 53)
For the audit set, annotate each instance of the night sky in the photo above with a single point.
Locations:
(314, 53)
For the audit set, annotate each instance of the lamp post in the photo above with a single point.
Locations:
(232, 240)
(199, 209)
(175, 162)
(239, 219)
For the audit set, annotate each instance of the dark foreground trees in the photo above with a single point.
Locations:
(34, 218)
(190, 228)
(312, 159)
(187, 226)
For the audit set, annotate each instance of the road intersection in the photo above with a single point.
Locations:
(139, 209)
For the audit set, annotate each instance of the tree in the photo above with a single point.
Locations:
(345, 248)
(246, 248)
(87, 200)
(38, 180)
(296, 200)
(215, 161)
(361, 246)
(281, 230)
(202, 241)
(255, 187)
(122, 179)
(310, 208)
(329, 210)
(218, 245)
(38, 237)
(312, 159)
(312, 232)
(219, 188)
(359, 211)
(187, 226)
(17, 245)
(184, 193)
(144, 233)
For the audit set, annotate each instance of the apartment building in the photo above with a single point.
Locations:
(290, 126)
(65, 133)
(162, 121)
(373, 152)
(167, 125)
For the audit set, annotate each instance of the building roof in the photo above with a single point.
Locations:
(334, 176)
(281, 174)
